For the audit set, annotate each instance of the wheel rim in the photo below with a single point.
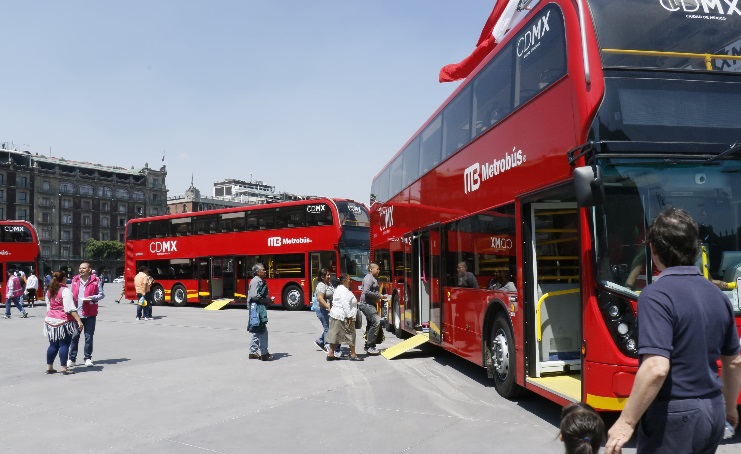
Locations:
(500, 354)
(293, 298)
(159, 295)
(178, 295)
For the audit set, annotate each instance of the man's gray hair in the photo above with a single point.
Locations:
(257, 267)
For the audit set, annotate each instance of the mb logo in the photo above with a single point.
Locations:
(471, 178)
(274, 241)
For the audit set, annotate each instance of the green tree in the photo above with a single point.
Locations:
(104, 251)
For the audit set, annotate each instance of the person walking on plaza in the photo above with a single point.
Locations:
(582, 429)
(143, 286)
(61, 322)
(685, 324)
(369, 296)
(13, 294)
(324, 291)
(87, 290)
(257, 299)
(342, 319)
(32, 286)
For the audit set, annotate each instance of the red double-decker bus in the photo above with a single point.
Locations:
(203, 256)
(541, 173)
(19, 250)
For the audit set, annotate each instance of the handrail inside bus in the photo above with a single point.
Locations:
(583, 34)
(540, 302)
(656, 53)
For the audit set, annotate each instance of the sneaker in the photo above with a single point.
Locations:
(254, 356)
(25, 315)
(266, 357)
(319, 344)
(148, 318)
(7, 316)
(70, 363)
(89, 362)
(372, 351)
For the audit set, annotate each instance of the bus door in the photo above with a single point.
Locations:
(424, 283)
(556, 294)
(203, 272)
(229, 275)
(319, 260)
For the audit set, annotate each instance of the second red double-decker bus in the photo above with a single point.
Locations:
(203, 256)
(19, 251)
(540, 175)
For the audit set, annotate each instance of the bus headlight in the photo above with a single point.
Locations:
(614, 311)
(630, 344)
(622, 329)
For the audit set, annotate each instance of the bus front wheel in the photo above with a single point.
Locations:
(179, 296)
(293, 298)
(503, 359)
(158, 295)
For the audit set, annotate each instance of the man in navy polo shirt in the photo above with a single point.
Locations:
(685, 323)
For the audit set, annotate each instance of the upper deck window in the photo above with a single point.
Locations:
(318, 214)
(15, 234)
(353, 214)
(663, 32)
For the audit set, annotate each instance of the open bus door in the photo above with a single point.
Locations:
(204, 277)
(423, 309)
(555, 364)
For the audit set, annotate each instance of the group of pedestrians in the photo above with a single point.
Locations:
(338, 310)
(71, 311)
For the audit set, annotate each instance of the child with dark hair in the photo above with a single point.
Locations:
(582, 429)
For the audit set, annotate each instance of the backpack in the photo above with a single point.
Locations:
(254, 316)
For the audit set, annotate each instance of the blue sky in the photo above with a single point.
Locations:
(313, 97)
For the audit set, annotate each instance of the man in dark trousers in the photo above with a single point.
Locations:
(369, 296)
(685, 324)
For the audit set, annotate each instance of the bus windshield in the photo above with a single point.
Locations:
(664, 32)
(636, 191)
(352, 213)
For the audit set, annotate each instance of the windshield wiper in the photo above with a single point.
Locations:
(735, 146)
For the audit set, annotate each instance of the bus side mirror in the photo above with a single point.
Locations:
(588, 186)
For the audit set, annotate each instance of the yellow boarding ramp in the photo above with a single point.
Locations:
(405, 346)
(218, 304)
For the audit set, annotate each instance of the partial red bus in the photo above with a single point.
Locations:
(19, 250)
(203, 256)
(545, 167)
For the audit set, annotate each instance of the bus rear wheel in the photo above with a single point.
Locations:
(179, 296)
(503, 359)
(293, 298)
(158, 295)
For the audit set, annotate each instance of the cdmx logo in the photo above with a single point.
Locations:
(163, 247)
(501, 243)
(708, 6)
(387, 217)
(315, 209)
(530, 40)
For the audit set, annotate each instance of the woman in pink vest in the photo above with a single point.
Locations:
(61, 322)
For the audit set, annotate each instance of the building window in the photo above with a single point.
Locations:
(104, 192)
(86, 190)
(46, 251)
(22, 197)
(122, 222)
(155, 211)
(2, 213)
(45, 202)
(86, 205)
(122, 194)
(66, 235)
(105, 236)
(22, 214)
(86, 219)
(105, 221)
(139, 210)
(2, 178)
(65, 251)
(85, 236)
(155, 197)
(185, 208)
(137, 195)
(46, 217)
(121, 237)
(155, 182)
(122, 208)
(22, 182)
(66, 203)
(66, 188)
(45, 234)
(2, 196)
(104, 206)
(66, 218)
(45, 185)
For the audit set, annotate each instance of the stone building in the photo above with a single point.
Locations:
(70, 202)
